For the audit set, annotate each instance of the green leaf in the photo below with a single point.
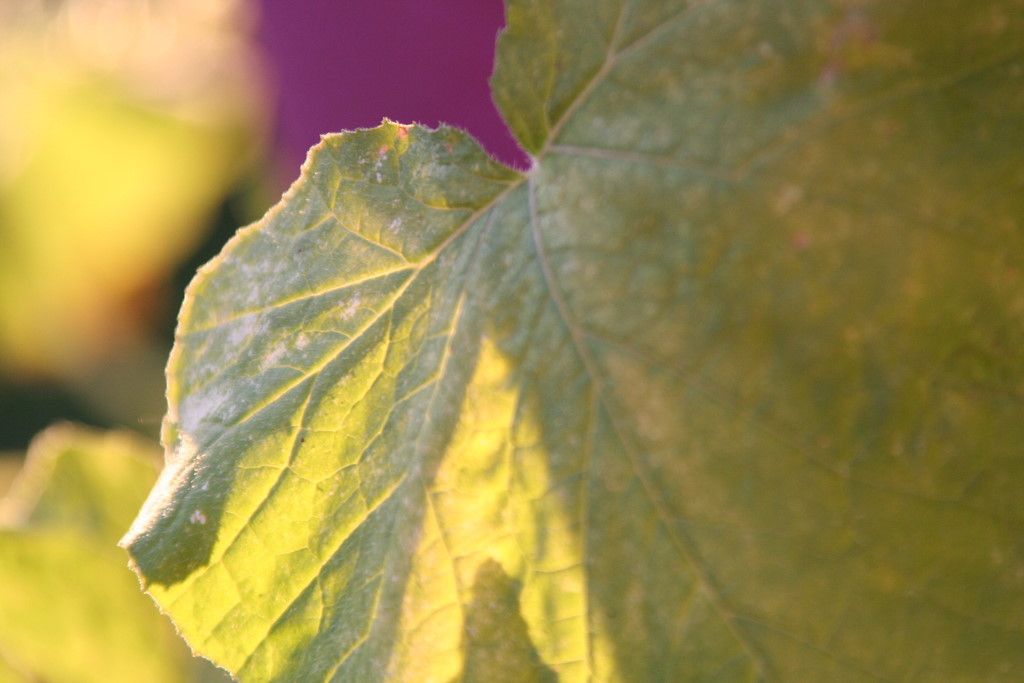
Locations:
(71, 610)
(728, 386)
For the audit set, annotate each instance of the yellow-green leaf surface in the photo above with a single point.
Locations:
(70, 610)
(728, 386)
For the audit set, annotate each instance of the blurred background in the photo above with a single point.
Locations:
(137, 135)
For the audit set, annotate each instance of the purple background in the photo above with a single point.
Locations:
(342, 64)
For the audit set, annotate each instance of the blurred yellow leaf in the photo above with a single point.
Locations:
(123, 124)
(70, 610)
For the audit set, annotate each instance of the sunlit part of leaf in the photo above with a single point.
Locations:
(369, 237)
(71, 610)
(728, 386)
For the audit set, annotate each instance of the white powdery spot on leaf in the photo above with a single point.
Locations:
(201, 405)
(243, 330)
(351, 307)
(271, 359)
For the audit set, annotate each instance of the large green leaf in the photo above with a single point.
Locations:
(728, 386)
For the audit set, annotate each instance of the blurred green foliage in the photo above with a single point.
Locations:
(69, 608)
